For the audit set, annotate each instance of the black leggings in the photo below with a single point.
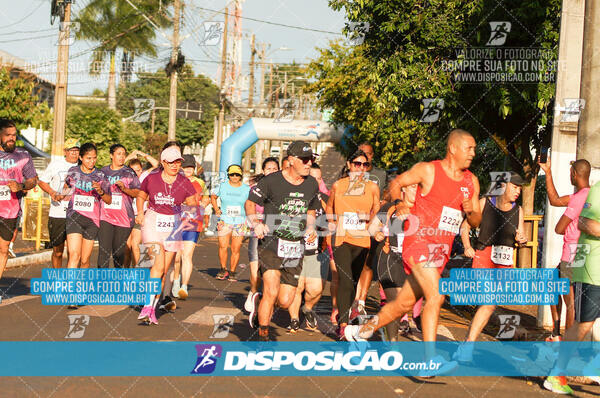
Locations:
(112, 242)
(349, 260)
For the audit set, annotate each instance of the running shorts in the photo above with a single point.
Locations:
(435, 255)
(587, 298)
(316, 266)
(80, 224)
(290, 268)
(190, 236)
(57, 228)
(8, 226)
(483, 259)
(171, 240)
(390, 270)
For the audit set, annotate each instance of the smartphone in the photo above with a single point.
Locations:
(544, 154)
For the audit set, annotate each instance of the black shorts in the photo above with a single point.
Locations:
(57, 227)
(8, 226)
(372, 254)
(290, 268)
(390, 270)
(78, 224)
(587, 302)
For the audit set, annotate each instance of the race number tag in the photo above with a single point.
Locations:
(117, 202)
(287, 249)
(353, 223)
(400, 243)
(450, 220)
(313, 245)
(502, 255)
(83, 203)
(5, 192)
(165, 222)
(233, 211)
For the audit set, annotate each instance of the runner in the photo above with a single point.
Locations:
(183, 259)
(353, 203)
(315, 269)
(586, 279)
(379, 177)
(269, 166)
(447, 189)
(88, 187)
(389, 228)
(290, 195)
(232, 228)
(501, 227)
(52, 182)
(17, 174)
(166, 190)
(117, 218)
(567, 226)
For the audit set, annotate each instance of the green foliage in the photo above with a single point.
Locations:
(190, 87)
(377, 87)
(16, 100)
(103, 127)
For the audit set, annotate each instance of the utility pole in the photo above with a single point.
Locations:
(60, 93)
(174, 56)
(263, 54)
(222, 94)
(247, 157)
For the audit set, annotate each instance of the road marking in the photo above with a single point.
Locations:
(16, 299)
(205, 315)
(102, 311)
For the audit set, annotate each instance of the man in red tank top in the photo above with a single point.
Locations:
(447, 192)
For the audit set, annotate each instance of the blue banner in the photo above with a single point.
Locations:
(291, 358)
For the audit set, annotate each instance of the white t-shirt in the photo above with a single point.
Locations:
(54, 175)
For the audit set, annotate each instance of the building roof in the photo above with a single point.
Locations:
(7, 59)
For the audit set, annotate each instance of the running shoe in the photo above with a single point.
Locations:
(223, 274)
(253, 317)
(340, 333)
(557, 384)
(311, 318)
(232, 277)
(167, 304)
(145, 313)
(72, 306)
(464, 353)
(249, 304)
(294, 326)
(354, 313)
(553, 338)
(404, 327)
(183, 293)
(591, 372)
(351, 333)
(209, 233)
(176, 287)
(152, 317)
(11, 253)
(263, 333)
(442, 367)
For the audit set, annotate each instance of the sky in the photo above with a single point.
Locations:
(28, 34)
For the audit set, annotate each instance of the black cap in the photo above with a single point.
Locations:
(188, 161)
(516, 179)
(300, 149)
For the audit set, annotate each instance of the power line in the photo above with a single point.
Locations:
(28, 38)
(25, 31)
(24, 18)
(271, 23)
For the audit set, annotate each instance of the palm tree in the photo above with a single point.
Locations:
(115, 24)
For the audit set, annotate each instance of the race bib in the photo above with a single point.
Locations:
(287, 249)
(353, 223)
(313, 245)
(117, 202)
(502, 255)
(400, 243)
(83, 203)
(165, 222)
(233, 211)
(5, 192)
(450, 220)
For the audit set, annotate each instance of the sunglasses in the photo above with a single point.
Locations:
(173, 163)
(234, 175)
(359, 164)
(307, 159)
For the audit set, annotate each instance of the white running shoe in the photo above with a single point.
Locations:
(175, 288)
(592, 373)
(249, 304)
(464, 353)
(209, 233)
(183, 293)
(352, 333)
(442, 367)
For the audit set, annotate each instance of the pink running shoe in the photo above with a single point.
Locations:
(152, 317)
(145, 313)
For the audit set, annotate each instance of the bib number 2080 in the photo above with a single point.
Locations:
(83, 203)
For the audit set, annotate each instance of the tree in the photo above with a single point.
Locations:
(116, 25)
(16, 99)
(191, 88)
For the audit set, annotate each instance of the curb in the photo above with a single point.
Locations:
(29, 259)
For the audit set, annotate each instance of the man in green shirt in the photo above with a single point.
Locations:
(586, 276)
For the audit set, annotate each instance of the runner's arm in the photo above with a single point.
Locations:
(413, 176)
(474, 213)
(250, 208)
(213, 202)
(329, 214)
(562, 224)
(589, 226)
(465, 228)
(142, 197)
(553, 198)
(520, 235)
(29, 183)
(46, 188)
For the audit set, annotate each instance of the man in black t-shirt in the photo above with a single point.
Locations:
(289, 198)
